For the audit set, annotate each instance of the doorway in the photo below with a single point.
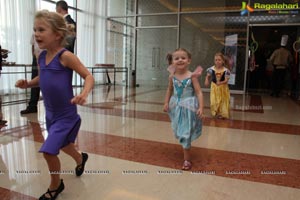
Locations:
(263, 40)
(153, 44)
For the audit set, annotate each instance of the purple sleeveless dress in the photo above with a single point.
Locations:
(62, 119)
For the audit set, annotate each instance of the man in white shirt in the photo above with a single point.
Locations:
(281, 59)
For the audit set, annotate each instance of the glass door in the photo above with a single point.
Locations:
(153, 45)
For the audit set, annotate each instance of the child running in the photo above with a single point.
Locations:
(219, 75)
(184, 102)
(56, 66)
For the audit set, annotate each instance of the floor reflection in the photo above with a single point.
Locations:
(126, 129)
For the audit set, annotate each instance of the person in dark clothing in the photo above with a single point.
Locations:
(259, 72)
(281, 59)
(4, 52)
(34, 92)
(62, 9)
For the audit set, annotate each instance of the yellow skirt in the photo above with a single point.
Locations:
(219, 100)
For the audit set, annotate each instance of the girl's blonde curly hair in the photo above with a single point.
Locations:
(56, 22)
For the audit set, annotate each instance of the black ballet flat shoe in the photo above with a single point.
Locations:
(28, 111)
(80, 168)
(54, 193)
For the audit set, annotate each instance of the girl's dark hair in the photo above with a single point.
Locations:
(186, 51)
(169, 58)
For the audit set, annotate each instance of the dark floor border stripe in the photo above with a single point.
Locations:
(251, 108)
(234, 124)
(6, 194)
(257, 168)
(255, 104)
(250, 167)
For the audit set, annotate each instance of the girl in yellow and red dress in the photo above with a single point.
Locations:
(218, 75)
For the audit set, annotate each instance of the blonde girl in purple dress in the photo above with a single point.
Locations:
(56, 66)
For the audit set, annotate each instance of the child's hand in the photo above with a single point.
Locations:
(22, 84)
(218, 83)
(166, 107)
(79, 99)
(200, 113)
(199, 70)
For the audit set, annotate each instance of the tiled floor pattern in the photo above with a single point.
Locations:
(133, 155)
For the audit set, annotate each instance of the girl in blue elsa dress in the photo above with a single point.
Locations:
(184, 102)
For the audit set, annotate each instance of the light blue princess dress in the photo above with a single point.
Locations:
(183, 105)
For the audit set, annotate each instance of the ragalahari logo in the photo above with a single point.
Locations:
(246, 8)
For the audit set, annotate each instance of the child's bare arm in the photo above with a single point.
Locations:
(199, 95)
(168, 94)
(207, 80)
(22, 83)
(70, 60)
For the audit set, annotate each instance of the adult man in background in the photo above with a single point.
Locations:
(281, 60)
(62, 9)
(34, 92)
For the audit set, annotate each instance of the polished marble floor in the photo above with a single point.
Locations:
(134, 156)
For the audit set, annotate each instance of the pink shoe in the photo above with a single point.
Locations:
(187, 165)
